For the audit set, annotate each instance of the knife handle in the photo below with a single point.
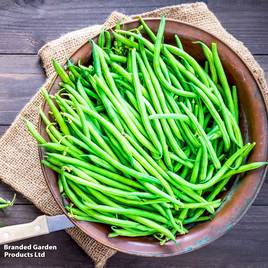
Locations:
(23, 231)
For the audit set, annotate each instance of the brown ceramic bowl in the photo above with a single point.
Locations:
(241, 194)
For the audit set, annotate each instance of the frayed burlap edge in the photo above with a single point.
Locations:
(19, 159)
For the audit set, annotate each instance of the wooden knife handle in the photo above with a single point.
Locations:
(23, 231)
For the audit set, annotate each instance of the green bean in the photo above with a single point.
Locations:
(204, 161)
(209, 57)
(160, 105)
(58, 147)
(141, 105)
(142, 220)
(116, 164)
(56, 113)
(217, 177)
(181, 117)
(216, 117)
(34, 132)
(181, 53)
(231, 126)
(57, 135)
(125, 116)
(73, 69)
(157, 47)
(82, 118)
(106, 124)
(161, 135)
(128, 211)
(244, 168)
(75, 211)
(97, 178)
(117, 58)
(6, 203)
(200, 113)
(122, 156)
(100, 173)
(108, 41)
(83, 93)
(100, 162)
(185, 172)
(108, 106)
(72, 77)
(109, 190)
(124, 40)
(189, 220)
(196, 167)
(156, 61)
(109, 220)
(147, 29)
(182, 161)
(185, 62)
(97, 137)
(75, 94)
(64, 105)
(2, 206)
(101, 39)
(202, 133)
(222, 78)
(62, 74)
(183, 214)
(129, 233)
(157, 65)
(188, 135)
(235, 101)
(150, 165)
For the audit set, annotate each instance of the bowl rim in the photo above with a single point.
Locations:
(231, 222)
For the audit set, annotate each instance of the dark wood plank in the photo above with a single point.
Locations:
(27, 25)
(34, 23)
(3, 129)
(20, 64)
(247, 20)
(20, 78)
(244, 246)
(262, 199)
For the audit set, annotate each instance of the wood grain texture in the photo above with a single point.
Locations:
(27, 25)
(247, 20)
(32, 23)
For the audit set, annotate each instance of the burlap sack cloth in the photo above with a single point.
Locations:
(19, 160)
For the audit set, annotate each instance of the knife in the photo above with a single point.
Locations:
(40, 226)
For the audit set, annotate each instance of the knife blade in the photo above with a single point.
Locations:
(40, 226)
(57, 223)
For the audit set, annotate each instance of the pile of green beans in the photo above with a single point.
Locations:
(144, 138)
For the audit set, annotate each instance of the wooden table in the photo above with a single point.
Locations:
(27, 25)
